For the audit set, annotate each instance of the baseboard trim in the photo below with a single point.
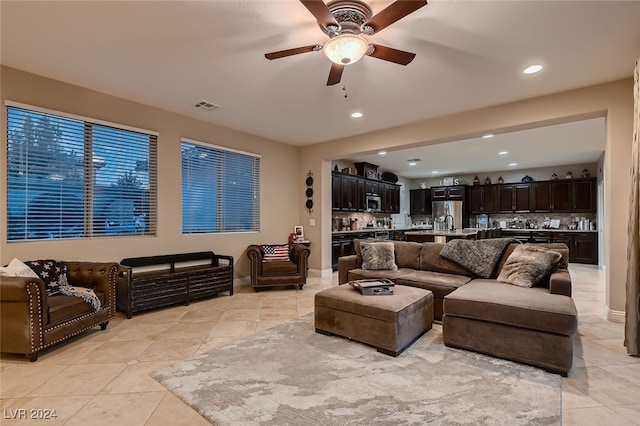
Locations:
(614, 316)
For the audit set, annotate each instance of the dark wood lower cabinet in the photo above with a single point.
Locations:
(583, 246)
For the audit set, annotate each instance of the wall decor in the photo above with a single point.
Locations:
(309, 192)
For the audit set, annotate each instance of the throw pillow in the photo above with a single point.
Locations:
(378, 256)
(272, 253)
(52, 272)
(17, 268)
(528, 265)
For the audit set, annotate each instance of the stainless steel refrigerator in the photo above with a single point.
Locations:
(441, 212)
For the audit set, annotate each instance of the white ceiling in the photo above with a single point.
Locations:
(173, 54)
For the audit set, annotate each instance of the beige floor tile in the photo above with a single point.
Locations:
(245, 301)
(115, 352)
(170, 349)
(202, 315)
(266, 324)
(595, 354)
(198, 330)
(7, 402)
(278, 314)
(169, 314)
(130, 409)
(573, 398)
(136, 378)
(629, 412)
(79, 379)
(233, 329)
(49, 410)
(246, 314)
(173, 412)
(603, 387)
(596, 416)
(630, 373)
(18, 382)
(67, 354)
(141, 331)
(212, 343)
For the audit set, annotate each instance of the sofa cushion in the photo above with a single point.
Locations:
(439, 283)
(559, 247)
(407, 254)
(479, 257)
(63, 307)
(378, 256)
(528, 265)
(496, 302)
(430, 260)
(279, 267)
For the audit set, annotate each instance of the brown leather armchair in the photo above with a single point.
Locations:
(280, 272)
(30, 320)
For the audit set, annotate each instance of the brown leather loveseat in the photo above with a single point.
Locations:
(31, 320)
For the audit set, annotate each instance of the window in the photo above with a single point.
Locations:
(68, 177)
(220, 189)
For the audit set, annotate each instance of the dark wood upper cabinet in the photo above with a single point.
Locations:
(482, 199)
(541, 197)
(561, 196)
(514, 198)
(440, 193)
(349, 193)
(352, 194)
(584, 195)
(420, 202)
(336, 193)
(390, 196)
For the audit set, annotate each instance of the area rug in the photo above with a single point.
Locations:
(291, 375)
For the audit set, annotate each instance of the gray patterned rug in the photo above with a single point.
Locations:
(291, 375)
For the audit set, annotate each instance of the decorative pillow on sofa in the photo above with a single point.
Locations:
(52, 272)
(17, 268)
(378, 256)
(528, 265)
(477, 256)
(272, 253)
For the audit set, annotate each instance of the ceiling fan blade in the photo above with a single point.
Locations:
(289, 52)
(392, 55)
(321, 12)
(335, 74)
(394, 12)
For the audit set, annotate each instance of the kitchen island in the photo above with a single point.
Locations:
(428, 235)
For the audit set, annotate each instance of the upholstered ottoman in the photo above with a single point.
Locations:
(390, 323)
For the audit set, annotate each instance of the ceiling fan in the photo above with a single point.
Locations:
(346, 22)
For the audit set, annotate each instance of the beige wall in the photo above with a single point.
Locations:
(279, 185)
(612, 100)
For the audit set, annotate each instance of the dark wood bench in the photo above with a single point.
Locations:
(152, 281)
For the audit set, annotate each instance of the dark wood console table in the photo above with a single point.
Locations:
(153, 281)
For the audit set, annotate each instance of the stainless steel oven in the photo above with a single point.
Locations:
(381, 235)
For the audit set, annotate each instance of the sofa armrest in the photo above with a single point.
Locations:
(345, 264)
(560, 282)
(14, 289)
(298, 252)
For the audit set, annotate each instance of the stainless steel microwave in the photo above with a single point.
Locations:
(374, 203)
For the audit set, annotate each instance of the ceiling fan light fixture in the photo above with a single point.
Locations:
(345, 49)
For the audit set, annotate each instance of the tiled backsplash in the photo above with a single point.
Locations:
(565, 218)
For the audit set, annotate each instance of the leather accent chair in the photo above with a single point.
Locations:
(279, 272)
(30, 320)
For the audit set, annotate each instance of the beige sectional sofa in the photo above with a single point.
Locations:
(530, 325)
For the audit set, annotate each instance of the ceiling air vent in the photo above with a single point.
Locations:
(206, 105)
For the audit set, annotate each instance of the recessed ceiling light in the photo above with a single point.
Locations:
(487, 136)
(412, 163)
(532, 69)
(435, 172)
(503, 152)
(513, 164)
(356, 115)
(382, 153)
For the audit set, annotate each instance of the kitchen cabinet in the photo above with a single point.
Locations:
(584, 195)
(540, 197)
(561, 196)
(352, 194)
(482, 199)
(514, 198)
(420, 202)
(583, 246)
(341, 245)
(372, 188)
(390, 195)
(336, 192)
(440, 193)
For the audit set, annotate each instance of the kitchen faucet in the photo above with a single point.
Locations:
(452, 227)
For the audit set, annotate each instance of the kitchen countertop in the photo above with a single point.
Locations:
(370, 230)
(546, 230)
(456, 233)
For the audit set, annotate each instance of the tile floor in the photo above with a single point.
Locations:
(101, 377)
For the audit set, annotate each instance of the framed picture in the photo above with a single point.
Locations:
(299, 232)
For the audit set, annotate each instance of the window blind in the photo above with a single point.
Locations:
(220, 189)
(71, 178)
